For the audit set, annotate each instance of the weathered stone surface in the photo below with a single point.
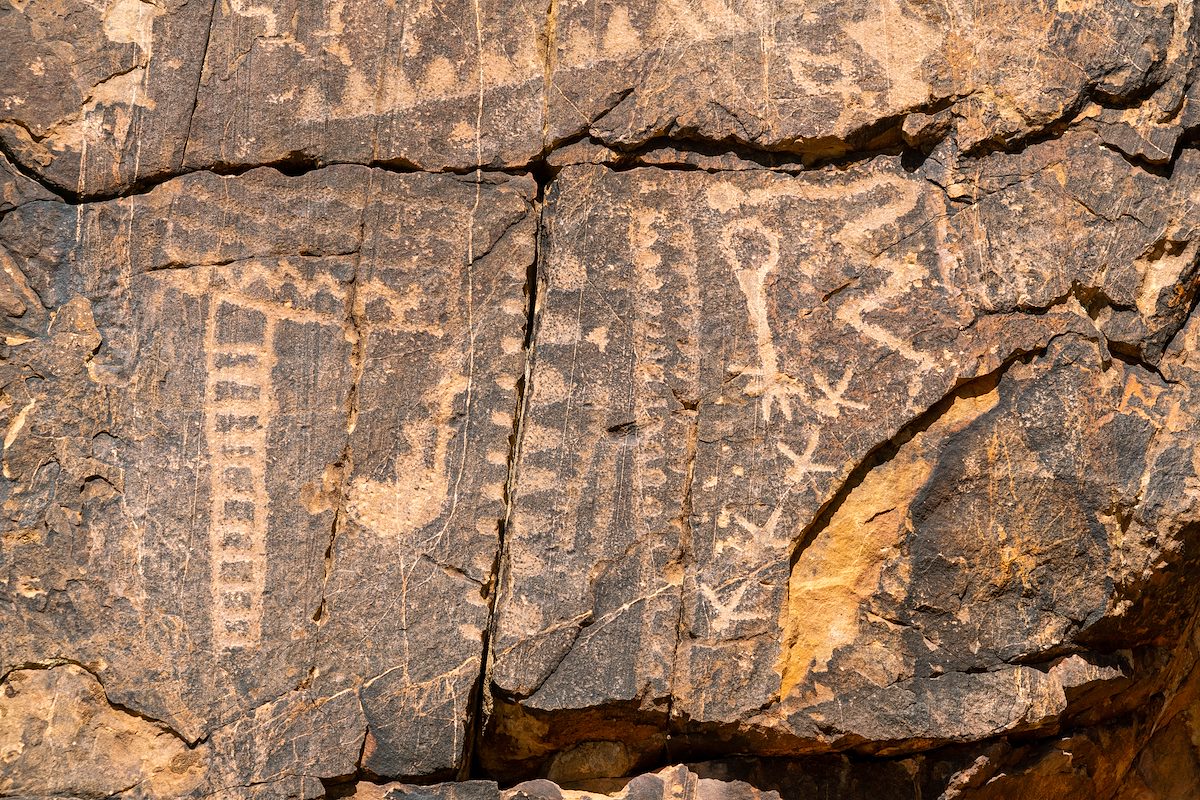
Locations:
(59, 735)
(16, 189)
(672, 782)
(768, 404)
(632, 400)
(98, 96)
(818, 76)
(465, 790)
(96, 100)
(439, 85)
(254, 460)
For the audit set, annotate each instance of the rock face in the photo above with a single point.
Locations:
(230, 447)
(487, 401)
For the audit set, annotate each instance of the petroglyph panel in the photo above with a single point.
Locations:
(418, 397)
(97, 99)
(246, 447)
(448, 84)
(718, 353)
(823, 77)
(138, 90)
(441, 313)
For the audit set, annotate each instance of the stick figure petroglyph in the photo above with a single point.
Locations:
(835, 396)
(803, 465)
(726, 612)
(767, 535)
(775, 387)
(800, 473)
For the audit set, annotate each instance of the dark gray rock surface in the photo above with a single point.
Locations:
(644, 400)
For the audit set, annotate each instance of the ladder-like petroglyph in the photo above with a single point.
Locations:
(240, 405)
(237, 412)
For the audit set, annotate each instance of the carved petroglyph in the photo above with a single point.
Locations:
(419, 488)
(835, 400)
(803, 468)
(776, 388)
(411, 492)
(754, 251)
(237, 409)
(725, 612)
(239, 405)
(902, 274)
(803, 465)
(743, 242)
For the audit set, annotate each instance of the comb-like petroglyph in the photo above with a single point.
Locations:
(248, 407)
(815, 319)
(240, 406)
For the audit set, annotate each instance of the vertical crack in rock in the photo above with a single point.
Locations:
(356, 331)
(472, 258)
(550, 37)
(480, 706)
(187, 138)
(686, 558)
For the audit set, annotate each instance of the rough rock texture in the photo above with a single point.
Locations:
(638, 400)
(244, 440)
